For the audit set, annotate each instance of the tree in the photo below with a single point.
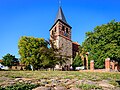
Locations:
(31, 50)
(103, 42)
(52, 56)
(48, 58)
(9, 60)
(82, 53)
(36, 52)
(77, 62)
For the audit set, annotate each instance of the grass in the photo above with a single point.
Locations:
(20, 86)
(66, 74)
(89, 87)
(94, 76)
(112, 77)
(114, 83)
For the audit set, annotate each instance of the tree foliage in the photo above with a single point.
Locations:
(30, 50)
(77, 62)
(82, 52)
(103, 42)
(9, 60)
(36, 52)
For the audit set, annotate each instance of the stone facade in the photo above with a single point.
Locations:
(60, 29)
(60, 34)
(66, 46)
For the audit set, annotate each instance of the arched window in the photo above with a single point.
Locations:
(63, 28)
(66, 30)
(52, 32)
(55, 29)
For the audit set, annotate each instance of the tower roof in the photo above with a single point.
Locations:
(60, 16)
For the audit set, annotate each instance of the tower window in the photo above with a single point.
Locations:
(52, 32)
(63, 28)
(66, 30)
(55, 29)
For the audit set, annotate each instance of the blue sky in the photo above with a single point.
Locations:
(35, 18)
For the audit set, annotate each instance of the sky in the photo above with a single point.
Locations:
(35, 18)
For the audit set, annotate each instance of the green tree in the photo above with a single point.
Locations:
(82, 53)
(52, 56)
(31, 50)
(77, 62)
(48, 58)
(103, 42)
(9, 60)
(39, 53)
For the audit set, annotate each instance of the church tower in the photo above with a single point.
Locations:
(60, 33)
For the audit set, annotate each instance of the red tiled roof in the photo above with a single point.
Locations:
(1, 61)
(76, 43)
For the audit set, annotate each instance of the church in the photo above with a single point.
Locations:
(60, 34)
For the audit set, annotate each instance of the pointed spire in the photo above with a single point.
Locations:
(60, 16)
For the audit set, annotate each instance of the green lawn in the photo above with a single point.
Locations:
(61, 74)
